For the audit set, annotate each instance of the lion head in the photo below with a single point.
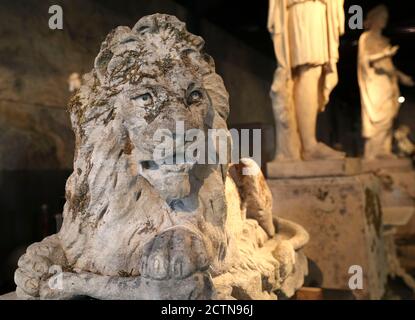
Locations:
(144, 80)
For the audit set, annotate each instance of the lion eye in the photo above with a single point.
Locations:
(194, 96)
(144, 100)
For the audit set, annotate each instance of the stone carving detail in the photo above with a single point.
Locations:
(379, 85)
(74, 82)
(306, 39)
(137, 229)
(406, 148)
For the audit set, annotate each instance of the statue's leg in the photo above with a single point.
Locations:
(387, 144)
(370, 148)
(306, 100)
(306, 103)
(379, 146)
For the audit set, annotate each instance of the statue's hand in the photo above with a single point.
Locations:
(391, 51)
(406, 80)
(35, 265)
(271, 28)
(174, 254)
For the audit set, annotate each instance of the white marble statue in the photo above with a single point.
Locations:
(379, 85)
(136, 228)
(306, 40)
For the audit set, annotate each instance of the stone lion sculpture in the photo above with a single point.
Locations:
(137, 229)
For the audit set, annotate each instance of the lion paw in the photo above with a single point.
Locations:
(174, 254)
(34, 267)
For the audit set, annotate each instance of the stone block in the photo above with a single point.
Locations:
(343, 216)
(315, 168)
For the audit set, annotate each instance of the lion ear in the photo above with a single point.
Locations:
(216, 90)
(101, 64)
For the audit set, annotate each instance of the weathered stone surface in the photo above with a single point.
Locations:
(9, 296)
(391, 165)
(343, 217)
(138, 228)
(397, 179)
(397, 216)
(398, 204)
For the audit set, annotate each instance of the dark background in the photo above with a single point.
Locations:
(36, 143)
(246, 20)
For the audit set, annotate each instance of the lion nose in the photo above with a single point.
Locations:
(179, 117)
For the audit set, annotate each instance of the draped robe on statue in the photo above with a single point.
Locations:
(379, 92)
(305, 32)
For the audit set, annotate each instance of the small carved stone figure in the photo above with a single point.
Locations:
(406, 147)
(379, 85)
(74, 82)
(306, 40)
(135, 228)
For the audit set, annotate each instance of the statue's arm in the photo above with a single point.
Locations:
(386, 53)
(271, 15)
(405, 79)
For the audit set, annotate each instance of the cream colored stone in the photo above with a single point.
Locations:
(9, 296)
(137, 229)
(306, 39)
(343, 217)
(74, 82)
(378, 82)
(316, 168)
(388, 165)
(397, 216)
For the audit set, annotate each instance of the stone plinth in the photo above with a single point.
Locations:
(9, 296)
(316, 168)
(343, 217)
(398, 189)
(397, 178)
(393, 165)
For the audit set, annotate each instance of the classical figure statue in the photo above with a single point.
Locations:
(136, 227)
(306, 40)
(379, 85)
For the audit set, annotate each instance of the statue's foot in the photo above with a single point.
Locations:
(174, 254)
(322, 152)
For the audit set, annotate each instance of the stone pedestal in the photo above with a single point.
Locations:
(9, 296)
(397, 178)
(340, 209)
